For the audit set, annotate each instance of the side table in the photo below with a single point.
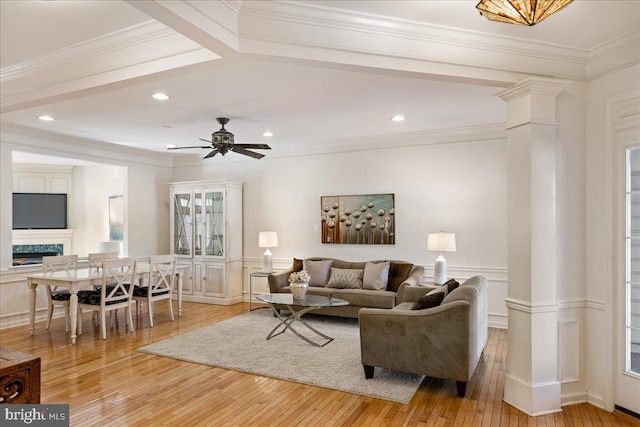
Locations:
(19, 377)
(251, 276)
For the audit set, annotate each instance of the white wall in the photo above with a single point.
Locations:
(599, 233)
(458, 188)
(89, 204)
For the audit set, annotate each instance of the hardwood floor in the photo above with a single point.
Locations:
(109, 383)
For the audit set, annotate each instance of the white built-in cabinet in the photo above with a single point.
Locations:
(206, 235)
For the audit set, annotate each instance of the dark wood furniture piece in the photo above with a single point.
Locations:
(19, 377)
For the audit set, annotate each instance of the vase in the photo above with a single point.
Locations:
(299, 289)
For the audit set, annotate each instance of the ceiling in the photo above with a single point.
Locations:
(263, 65)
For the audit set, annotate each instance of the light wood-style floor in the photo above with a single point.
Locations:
(109, 383)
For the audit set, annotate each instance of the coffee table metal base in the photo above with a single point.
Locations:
(286, 323)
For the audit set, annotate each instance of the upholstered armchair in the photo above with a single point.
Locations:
(445, 341)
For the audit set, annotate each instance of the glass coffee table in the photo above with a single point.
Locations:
(298, 308)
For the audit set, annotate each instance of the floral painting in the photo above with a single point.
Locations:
(367, 219)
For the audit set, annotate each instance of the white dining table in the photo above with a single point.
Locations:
(74, 280)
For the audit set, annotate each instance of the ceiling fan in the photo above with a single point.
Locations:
(222, 143)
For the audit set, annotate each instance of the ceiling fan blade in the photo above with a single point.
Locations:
(181, 148)
(254, 146)
(206, 140)
(211, 154)
(240, 150)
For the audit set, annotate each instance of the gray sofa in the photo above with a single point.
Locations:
(357, 298)
(445, 341)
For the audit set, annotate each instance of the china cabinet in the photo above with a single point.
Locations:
(206, 235)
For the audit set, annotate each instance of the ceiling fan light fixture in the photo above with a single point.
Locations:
(520, 12)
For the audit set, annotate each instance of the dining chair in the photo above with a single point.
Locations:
(160, 281)
(95, 261)
(119, 273)
(57, 297)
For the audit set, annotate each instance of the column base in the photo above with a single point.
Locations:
(533, 399)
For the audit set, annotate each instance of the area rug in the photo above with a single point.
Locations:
(240, 344)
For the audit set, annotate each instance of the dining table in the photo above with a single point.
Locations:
(76, 279)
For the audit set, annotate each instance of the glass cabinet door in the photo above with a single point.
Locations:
(214, 223)
(182, 224)
(198, 227)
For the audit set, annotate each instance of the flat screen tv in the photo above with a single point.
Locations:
(37, 211)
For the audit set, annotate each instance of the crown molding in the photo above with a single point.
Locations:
(614, 55)
(142, 49)
(267, 27)
(37, 141)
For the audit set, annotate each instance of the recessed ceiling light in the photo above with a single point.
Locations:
(398, 118)
(160, 96)
(46, 118)
(171, 146)
(267, 134)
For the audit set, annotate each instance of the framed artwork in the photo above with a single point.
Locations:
(116, 217)
(367, 219)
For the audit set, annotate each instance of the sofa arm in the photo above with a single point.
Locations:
(433, 342)
(278, 280)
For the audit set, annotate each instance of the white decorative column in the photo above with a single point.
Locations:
(531, 381)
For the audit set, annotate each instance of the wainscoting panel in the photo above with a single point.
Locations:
(569, 348)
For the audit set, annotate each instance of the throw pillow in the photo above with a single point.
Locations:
(344, 278)
(376, 276)
(297, 265)
(398, 273)
(432, 299)
(451, 284)
(318, 271)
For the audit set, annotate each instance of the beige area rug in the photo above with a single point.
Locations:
(240, 344)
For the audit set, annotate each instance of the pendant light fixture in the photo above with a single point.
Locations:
(520, 12)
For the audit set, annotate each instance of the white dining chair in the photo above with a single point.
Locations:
(119, 274)
(55, 296)
(160, 282)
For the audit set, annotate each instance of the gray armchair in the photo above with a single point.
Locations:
(443, 342)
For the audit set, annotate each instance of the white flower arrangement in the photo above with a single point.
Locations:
(300, 276)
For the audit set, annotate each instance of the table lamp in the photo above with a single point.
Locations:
(267, 239)
(441, 242)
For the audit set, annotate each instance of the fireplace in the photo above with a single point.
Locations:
(30, 258)
(32, 254)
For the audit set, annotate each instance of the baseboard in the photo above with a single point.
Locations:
(532, 399)
(498, 321)
(573, 398)
(596, 400)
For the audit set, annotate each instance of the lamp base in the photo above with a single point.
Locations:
(267, 264)
(440, 271)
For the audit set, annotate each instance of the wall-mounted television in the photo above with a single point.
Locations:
(37, 211)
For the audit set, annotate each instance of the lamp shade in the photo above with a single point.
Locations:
(520, 12)
(441, 242)
(268, 239)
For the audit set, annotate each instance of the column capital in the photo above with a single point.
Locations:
(533, 100)
(534, 86)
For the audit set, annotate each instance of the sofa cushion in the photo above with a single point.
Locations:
(297, 265)
(398, 273)
(366, 298)
(432, 299)
(311, 290)
(318, 271)
(376, 276)
(345, 278)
